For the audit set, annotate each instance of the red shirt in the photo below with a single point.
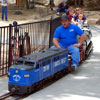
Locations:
(70, 16)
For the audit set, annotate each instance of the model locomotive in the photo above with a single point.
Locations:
(29, 70)
(33, 68)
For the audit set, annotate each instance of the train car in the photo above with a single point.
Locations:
(88, 41)
(33, 68)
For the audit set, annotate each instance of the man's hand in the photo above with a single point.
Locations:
(56, 43)
(77, 45)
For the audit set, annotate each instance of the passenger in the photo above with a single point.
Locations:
(79, 11)
(76, 12)
(70, 15)
(65, 36)
(62, 7)
(70, 8)
(80, 22)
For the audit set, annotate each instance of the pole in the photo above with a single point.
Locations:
(10, 58)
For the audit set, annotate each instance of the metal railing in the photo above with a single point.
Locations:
(4, 49)
(39, 40)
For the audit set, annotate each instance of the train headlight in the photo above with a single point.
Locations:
(27, 76)
(16, 71)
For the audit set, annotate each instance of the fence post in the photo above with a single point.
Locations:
(50, 35)
(9, 60)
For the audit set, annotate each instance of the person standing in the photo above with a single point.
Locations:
(4, 4)
(51, 3)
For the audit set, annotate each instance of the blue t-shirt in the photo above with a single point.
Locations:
(67, 36)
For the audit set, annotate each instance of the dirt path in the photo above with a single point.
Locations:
(40, 13)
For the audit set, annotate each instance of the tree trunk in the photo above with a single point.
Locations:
(27, 4)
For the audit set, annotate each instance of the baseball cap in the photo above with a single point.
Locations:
(64, 17)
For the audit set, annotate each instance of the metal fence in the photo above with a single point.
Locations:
(4, 50)
(40, 37)
(54, 23)
(39, 40)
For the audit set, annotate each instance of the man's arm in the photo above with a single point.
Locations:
(82, 38)
(56, 42)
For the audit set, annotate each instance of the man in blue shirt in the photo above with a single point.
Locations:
(65, 36)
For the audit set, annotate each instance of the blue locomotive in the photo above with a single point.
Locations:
(30, 70)
(33, 68)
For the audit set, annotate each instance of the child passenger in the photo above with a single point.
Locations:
(70, 15)
(80, 21)
(79, 11)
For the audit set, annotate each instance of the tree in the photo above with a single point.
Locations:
(27, 4)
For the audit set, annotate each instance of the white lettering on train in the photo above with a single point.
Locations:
(63, 60)
(46, 68)
(59, 62)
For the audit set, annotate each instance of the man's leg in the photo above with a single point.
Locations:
(6, 13)
(75, 55)
(2, 10)
(56, 47)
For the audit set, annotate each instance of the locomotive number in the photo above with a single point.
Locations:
(57, 63)
(45, 68)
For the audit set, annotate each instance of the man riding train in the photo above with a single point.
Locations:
(65, 36)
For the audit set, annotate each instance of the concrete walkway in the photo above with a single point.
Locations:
(3, 86)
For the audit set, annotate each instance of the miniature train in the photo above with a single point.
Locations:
(33, 68)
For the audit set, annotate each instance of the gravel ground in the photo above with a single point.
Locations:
(40, 13)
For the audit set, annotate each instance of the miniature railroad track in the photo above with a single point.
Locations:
(9, 96)
(5, 95)
(47, 82)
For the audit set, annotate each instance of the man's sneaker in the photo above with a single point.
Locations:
(73, 68)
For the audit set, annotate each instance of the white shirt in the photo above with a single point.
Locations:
(80, 23)
(4, 2)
